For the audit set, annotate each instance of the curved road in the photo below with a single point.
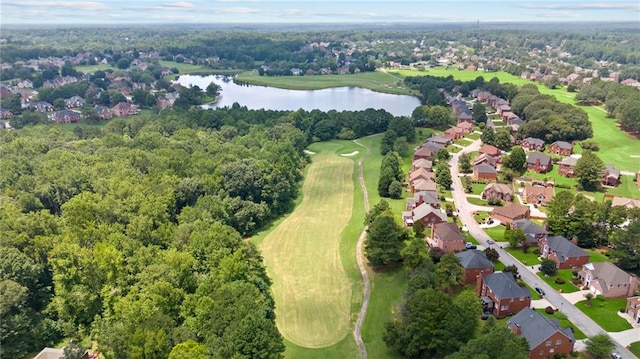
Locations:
(357, 331)
(577, 317)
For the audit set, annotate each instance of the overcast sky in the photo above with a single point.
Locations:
(25, 12)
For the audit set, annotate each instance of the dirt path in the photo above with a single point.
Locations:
(357, 331)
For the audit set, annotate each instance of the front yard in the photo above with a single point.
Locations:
(635, 348)
(477, 201)
(564, 322)
(604, 313)
(566, 275)
(473, 136)
(481, 216)
(527, 259)
(496, 233)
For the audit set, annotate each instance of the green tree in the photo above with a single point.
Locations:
(387, 177)
(73, 351)
(449, 273)
(468, 184)
(442, 155)
(599, 346)
(516, 160)
(503, 139)
(418, 229)
(498, 343)
(377, 209)
(414, 254)
(403, 127)
(492, 254)
(213, 89)
(488, 136)
(189, 350)
(385, 240)
(589, 170)
(395, 189)
(443, 176)
(479, 112)
(590, 145)
(388, 141)
(626, 252)
(401, 146)
(465, 163)
(548, 267)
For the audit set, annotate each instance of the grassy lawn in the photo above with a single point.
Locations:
(564, 322)
(565, 274)
(627, 188)
(376, 81)
(528, 258)
(473, 136)
(499, 123)
(496, 233)
(481, 216)
(453, 149)
(498, 266)
(604, 313)
(477, 201)
(477, 188)
(90, 69)
(635, 348)
(462, 75)
(463, 142)
(597, 256)
(307, 271)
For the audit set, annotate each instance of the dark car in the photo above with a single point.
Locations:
(471, 245)
(540, 291)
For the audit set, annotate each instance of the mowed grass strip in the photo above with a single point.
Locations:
(310, 286)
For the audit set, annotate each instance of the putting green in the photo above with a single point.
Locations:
(311, 289)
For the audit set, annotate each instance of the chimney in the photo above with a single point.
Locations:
(633, 285)
(479, 279)
(574, 240)
(516, 329)
(433, 230)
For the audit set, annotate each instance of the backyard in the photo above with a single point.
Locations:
(604, 313)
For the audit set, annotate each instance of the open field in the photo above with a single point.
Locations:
(376, 81)
(311, 288)
(603, 312)
(90, 69)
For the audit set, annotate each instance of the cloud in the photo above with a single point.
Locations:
(585, 6)
(558, 14)
(79, 5)
(178, 5)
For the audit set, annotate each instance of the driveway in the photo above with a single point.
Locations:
(575, 297)
(578, 318)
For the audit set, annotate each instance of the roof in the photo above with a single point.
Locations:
(63, 113)
(537, 328)
(608, 273)
(423, 151)
(563, 144)
(492, 150)
(565, 248)
(498, 188)
(433, 146)
(528, 227)
(534, 141)
(535, 191)
(420, 173)
(483, 157)
(504, 286)
(438, 139)
(569, 161)
(448, 232)
(422, 163)
(535, 156)
(424, 185)
(465, 125)
(626, 202)
(426, 197)
(484, 168)
(424, 210)
(612, 171)
(511, 210)
(473, 259)
(50, 353)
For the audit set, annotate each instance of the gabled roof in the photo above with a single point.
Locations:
(438, 139)
(535, 156)
(537, 328)
(424, 210)
(625, 202)
(465, 125)
(569, 161)
(424, 185)
(473, 259)
(534, 141)
(491, 150)
(608, 273)
(498, 188)
(420, 173)
(448, 232)
(426, 197)
(483, 157)
(565, 248)
(484, 168)
(504, 286)
(424, 151)
(433, 146)
(535, 191)
(511, 210)
(563, 144)
(612, 171)
(529, 227)
(422, 163)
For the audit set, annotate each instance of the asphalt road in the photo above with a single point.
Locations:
(577, 317)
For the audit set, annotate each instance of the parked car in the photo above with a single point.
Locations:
(489, 241)
(471, 245)
(540, 291)
(616, 355)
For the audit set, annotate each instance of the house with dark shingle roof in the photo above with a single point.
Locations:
(473, 263)
(533, 231)
(611, 175)
(485, 171)
(501, 295)
(539, 162)
(497, 190)
(567, 165)
(447, 236)
(533, 144)
(510, 212)
(545, 337)
(440, 140)
(423, 152)
(66, 116)
(562, 148)
(564, 252)
(428, 197)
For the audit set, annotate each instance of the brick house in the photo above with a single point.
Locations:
(440, 140)
(465, 117)
(421, 173)
(510, 212)
(473, 263)
(501, 295)
(538, 195)
(564, 252)
(633, 308)
(566, 166)
(447, 236)
(422, 163)
(41, 106)
(498, 190)
(467, 127)
(428, 197)
(124, 109)
(611, 176)
(484, 171)
(103, 112)
(538, 162)
(532, 231)
(73, 102)
(423, 152)
(545, 337)
(532, 144)
(66, 116)
(423, 213)
(607, 279)
(421, 184)
(561, 148)
(485, 158)
(454, 133)
(490, 150)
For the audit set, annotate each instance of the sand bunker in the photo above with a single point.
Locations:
(350, 154)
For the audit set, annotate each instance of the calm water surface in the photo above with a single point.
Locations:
(271, 98)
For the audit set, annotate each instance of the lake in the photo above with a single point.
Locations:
(271, 98)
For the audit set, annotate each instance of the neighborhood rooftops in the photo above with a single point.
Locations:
(473, 259)
(537, 328)
(564, 248)
(504, 286)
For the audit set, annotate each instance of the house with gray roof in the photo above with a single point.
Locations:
(501, 295)
(532, 144)
(564, 252)
(440, 140)
(611, 175)
(567, 165)
(562, 148)
(473, 263)
(428, 197)
(539, 162)
(544, 335)
(533, 231)
(424, 213)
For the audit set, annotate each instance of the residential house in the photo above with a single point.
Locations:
(503, 108)
(447, 236)
(473, 263)
(564, 252)
(510, 212)
(545, 336)
(423, 152)
(423, 213)
(434, 147)
(507, 115)
(465, 117)
(124, 109)
(25, 84)
(50, 353)
(41, 106)
(538, 195)
(533, 232)
(515, 123)
(501, 295)
(561, 148)
(623, 201)
(428, 197)
(5, 125)
(490, 150)
(422, 163)
(420, 185)
(498, 190)
(454, 133)
(607, 279)
(439, 140)
(567, 165)
(538, 162)
(466, 127)
(611, 176)
(5, 91)
(633, 308)
(484, 171)
(103, 112)
(420, 173)
(66, 116)
(532, 144)
(486, 159)
(73, 102)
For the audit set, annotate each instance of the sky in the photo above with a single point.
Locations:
(140, 12)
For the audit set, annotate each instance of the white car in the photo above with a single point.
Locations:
(616, 355)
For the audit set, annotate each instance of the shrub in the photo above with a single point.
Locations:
(536, 251)
(549, 310)
(601, 297)
(494, 201)
(576, 281)
(574, 273)
(559, 280)
(585, 287)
